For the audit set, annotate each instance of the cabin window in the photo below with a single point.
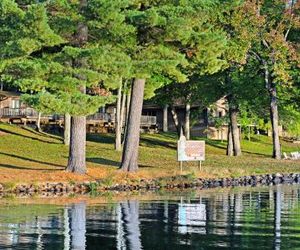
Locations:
(220, 114)
(149, 112)
(15, 104)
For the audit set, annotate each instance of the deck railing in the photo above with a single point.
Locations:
(148, 120)
(18, 112)
(25, 113)
(31, 113)
(101, 117)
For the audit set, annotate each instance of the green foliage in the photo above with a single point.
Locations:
(93, 187)
(23, 31)
(199, 51)
(291, 120)
(56, 75)
(173, 38)
(272, 44)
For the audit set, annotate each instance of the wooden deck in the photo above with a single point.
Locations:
(97, 123)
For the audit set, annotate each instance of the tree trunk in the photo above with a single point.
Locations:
(38, 122)
(233, 115)
(76, 162)
(131, 145)
(123, 110)
(271, 87)
(229, 142)
(275, 125)
(128, 99)
(165, 118)
(118, 125)
(175, 119)
(187, 121)
(233, 112)
(67, 129)
(128, 105)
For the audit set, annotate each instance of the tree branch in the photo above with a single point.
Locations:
(256, 55)
(286, 34)
(265, 43)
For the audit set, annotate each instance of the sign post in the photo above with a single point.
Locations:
(190, 151)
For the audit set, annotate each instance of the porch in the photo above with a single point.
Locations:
(99, 122)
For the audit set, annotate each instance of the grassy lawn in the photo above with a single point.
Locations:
(29, 156)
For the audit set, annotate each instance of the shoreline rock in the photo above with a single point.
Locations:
(178, 182)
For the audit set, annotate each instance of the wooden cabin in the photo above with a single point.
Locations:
(13, 110)
(202, 123)
(154, 117)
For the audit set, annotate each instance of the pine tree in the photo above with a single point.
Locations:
(92, 56)
(168, 32)
(24, 31)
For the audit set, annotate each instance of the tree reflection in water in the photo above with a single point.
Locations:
(277, 220)
(78, 226)
(259, 218)
(130, 212)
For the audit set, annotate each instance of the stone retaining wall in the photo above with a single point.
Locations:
(180, 182)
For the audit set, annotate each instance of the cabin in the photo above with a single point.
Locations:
(14, 111)
(201, 121)
(154, 118)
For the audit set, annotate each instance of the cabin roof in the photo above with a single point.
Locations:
(9, 94)
(4, 95)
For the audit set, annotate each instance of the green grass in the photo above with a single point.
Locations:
(29, 156)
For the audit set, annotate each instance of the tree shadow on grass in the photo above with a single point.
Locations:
(112, 163)
(44, 134)
(259, 154)
(24, 168)
(157, 143)
(106, 139)
(103, 161)
(146, 166)
(215, 144)
(28, 137)
(31, 160)
(169, 135)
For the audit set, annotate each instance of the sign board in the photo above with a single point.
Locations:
(190, 150)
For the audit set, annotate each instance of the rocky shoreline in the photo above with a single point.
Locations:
(178, 182)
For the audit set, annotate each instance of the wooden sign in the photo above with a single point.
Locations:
(190, 151)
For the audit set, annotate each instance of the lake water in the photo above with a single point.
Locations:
(241, 218)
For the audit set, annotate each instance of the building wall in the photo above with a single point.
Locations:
(8, 103)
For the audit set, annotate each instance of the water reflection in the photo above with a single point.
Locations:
(278, 204)
(131, 224)
(261, 218)
(78, 226)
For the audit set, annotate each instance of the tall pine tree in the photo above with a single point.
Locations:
(168, 32)
(65, 78)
